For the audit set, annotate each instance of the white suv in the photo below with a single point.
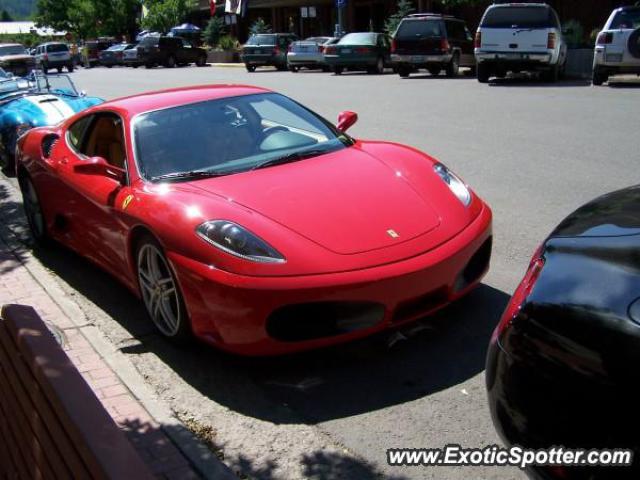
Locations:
(618, 45)
(516, 37)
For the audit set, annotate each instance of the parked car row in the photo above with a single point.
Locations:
(511, 38)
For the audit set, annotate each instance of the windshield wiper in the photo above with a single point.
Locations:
(291, 157)
(188, 175)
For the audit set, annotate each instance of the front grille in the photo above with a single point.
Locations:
(309, 321)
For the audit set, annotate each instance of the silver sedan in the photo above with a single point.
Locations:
(309, 53)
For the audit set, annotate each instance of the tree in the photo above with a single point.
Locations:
(404, 8)
(214, 30)
(5, 17)
(161, 15)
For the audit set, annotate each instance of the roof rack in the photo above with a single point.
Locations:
(417, 15)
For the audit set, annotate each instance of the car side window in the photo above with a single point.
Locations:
(106, 139)
(76, 132)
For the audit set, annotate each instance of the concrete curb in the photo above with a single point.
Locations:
(202, 459)
(228, 65)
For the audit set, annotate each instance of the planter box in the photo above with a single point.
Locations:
(223, 56)
(579, 63)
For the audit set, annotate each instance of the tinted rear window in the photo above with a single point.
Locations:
(419, 28)
(150, 41)
(262, 40)
(626, 19)
(58, 47)
(519, 17)
(358, 39)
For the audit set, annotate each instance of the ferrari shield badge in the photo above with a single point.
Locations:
(127, 201)
(392, 233)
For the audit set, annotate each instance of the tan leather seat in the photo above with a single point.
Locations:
(106, 141)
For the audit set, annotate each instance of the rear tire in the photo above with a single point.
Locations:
(599, 76)
(148, 65)
(551, 75)
(483, 73)
(338, 70)
(404, 72)
(171, 62)
(453, 67)
(250, 68)
(379, 69)
(201, 61)
(293, 69)
(435, 71)
(70, 68)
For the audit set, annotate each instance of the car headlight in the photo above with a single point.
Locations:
(236, 240)
(454, 183)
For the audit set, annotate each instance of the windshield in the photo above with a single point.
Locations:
(230, 135)
(358, 39)
(519, 17)
(262, 40)
(627, 19)
(12, 84)
(58, 84)
(12, 50)
(150, 40)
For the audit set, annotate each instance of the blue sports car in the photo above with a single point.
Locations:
(35, 101)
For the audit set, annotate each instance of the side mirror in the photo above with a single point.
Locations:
(83, 93)
(346, 120)
(99, 166)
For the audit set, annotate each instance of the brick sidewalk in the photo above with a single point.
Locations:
(18, 285)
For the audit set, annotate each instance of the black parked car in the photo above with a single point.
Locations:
(433, 42)
(267, 49)
(562, 367)
(169, 51)
(355, 51)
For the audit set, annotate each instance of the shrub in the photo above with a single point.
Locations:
(227, 42)
(213, 31)
(575, 39)
(259, 26)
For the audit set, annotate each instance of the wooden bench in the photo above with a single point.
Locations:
(51, 423)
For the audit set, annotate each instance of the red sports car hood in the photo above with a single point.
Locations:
(350, 201)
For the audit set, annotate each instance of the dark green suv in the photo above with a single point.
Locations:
(267, 49)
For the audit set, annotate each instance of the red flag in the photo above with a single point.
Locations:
(212, 7)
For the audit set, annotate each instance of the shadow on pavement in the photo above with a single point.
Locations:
(527, 81)
(387, 369)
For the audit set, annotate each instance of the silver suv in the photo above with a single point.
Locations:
(517, 37)
(618, 45)
(54, 55)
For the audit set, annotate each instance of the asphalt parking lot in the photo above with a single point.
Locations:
(533, 151)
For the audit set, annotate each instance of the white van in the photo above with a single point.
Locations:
(516, 37)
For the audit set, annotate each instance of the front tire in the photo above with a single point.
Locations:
(33, 211)
(171, 62)
(435, 71)
(338, 70)
(293, 69)
(250, 68)
(551, 75)
(160, 291)
(70, 68)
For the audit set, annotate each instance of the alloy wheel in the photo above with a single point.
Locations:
(159, 291)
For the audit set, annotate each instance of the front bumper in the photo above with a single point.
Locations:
(232, 311)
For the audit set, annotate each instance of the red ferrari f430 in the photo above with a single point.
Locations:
(243, 218)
